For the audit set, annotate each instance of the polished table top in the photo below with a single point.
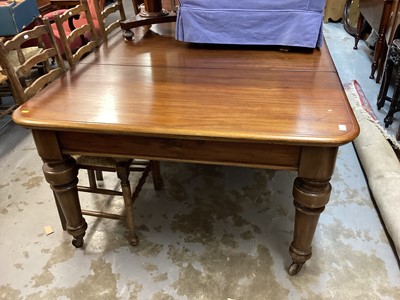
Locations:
(159, 86)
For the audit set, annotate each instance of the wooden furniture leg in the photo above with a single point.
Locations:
(153, 9)
(61, 173)
(381, 63)
(123, 175)
(379, 54)
(358, 32)
(387, 76)
(398, 134)
(311, 193)
(156, 174)
(380, 46)
(62, 177)
(60, 213)
(394, 105)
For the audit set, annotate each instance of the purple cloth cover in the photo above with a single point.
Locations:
(251, 22)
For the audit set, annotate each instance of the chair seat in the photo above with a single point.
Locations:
(27, 52)
(96, 162)
(3, 78)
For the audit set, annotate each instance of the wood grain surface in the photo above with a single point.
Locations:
(161, 87)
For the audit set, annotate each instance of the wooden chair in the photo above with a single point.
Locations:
(6, 108)
(32, 70)
(76, 41)
(123, 167)
(108, 19)
(95, 166)
(8, 100)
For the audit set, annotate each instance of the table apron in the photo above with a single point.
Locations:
(273, 156)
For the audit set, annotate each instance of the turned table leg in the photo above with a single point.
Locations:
(62, 177)
(153, 8)
(311, 193)
(61, 173)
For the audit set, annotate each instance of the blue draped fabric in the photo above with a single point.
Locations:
(251, 22)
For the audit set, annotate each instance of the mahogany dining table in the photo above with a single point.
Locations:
(160, 99)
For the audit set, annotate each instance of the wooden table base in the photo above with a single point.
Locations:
(151, 12)
(311, 189)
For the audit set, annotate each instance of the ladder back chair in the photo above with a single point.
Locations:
(108, 17)
(95, 166)
(80, 41)
(32, 70)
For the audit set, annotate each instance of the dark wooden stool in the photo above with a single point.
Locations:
(392, 62)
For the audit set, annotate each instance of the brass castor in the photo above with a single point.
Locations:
(134, 241)
(78, 242)
(294, 268)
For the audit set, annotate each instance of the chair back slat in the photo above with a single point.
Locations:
(82, 51)
(104, 14)
(24, 36)
(73, 11)
(86, 32)
(78, 32)
(42, 81)
(25, 69)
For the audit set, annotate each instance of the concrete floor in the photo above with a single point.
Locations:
(213, 232)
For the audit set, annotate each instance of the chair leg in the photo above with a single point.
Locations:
(358, 32)
(60, 213)
(92, 179)
(382, 96)
(99, 175)
(123, 175)
(393, 106)
(156, 174)
(398, 134)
